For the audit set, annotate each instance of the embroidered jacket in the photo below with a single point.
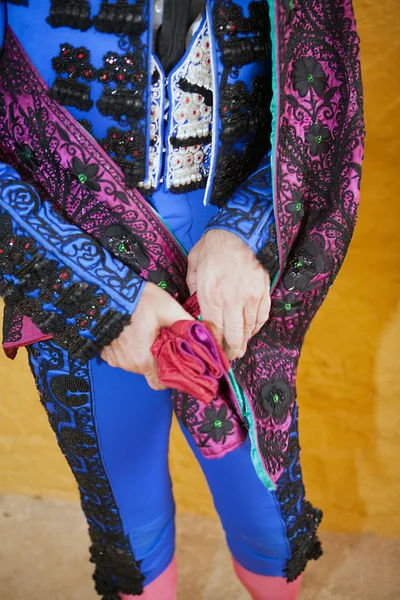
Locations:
(314, 169)
(218, 119)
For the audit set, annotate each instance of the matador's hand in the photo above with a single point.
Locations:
(131, 349)
(232, 289)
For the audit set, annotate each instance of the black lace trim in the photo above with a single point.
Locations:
(121, 17)
(77, 305)
(70, 13)
(64, 385)
(75, 63)
(191, 88)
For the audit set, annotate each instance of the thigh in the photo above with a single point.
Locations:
(114, 431)
(249, 512)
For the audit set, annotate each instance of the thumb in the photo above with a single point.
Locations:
(193, 259)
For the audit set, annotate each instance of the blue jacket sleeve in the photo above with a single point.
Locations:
(250, 215)
(57, 275)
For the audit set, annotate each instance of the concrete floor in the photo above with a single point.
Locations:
(43, 555)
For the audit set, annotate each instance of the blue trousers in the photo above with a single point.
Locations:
(114, 431)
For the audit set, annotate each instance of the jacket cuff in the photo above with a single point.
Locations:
(249, 214)
(57, 275)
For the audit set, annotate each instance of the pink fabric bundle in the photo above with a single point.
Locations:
(189, 358)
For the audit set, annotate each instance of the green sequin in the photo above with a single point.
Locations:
(298, 264)
(291, 4)
(298, 206)
(318, 139)
(310, 78)
(275, 398)
(82, 178)
(217, 423)
(163, 285)
(122, 248)
(288, 307)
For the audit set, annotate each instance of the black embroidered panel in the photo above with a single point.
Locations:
(65, 389)
(300, 517)
(244, 107)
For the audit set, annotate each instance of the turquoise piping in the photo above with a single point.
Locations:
(274, 113)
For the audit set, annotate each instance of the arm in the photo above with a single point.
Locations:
(59, 276)
(232, 266)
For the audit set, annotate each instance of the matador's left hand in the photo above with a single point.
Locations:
(232, 289)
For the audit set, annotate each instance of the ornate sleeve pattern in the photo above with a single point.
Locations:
(249, 214)
(57, 275)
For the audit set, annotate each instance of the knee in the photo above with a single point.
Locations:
(262, 549)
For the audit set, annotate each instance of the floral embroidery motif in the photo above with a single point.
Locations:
(296, 208)
(318, 137)
(189, 144)
(75, 63)
(276, 400)
(86, 174)
(308, 73)
(242, 40)
(127, 149)
(216, 424)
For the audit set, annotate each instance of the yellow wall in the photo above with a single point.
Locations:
(348, 383)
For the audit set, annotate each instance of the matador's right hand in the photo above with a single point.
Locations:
(131, 349)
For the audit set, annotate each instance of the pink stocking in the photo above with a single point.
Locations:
(162, 588)
(261, 587)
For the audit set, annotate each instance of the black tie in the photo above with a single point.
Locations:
(178, 16)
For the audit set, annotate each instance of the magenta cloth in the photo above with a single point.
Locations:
(191, 360)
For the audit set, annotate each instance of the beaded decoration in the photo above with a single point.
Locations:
(75, 63)
(156, 128)
(72, 13)
(190, 120)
